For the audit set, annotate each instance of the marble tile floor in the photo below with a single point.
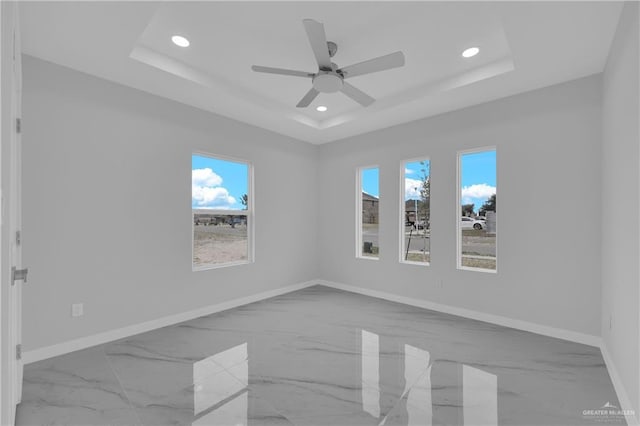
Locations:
(321, 356)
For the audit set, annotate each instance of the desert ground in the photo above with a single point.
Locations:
(216, 244)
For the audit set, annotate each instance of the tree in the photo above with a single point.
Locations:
(488, 206)
(467, 209)
(245, 201)
(425, 192)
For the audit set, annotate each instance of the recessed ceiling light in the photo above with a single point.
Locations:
(321, 108)
(180, 41)
(470, 52)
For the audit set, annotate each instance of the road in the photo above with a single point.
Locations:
(482, 246)
(417, 241)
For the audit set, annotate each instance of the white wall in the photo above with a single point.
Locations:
(107, 209)
(548, 150)
(620, 203)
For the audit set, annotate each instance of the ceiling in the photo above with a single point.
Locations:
(523, 46)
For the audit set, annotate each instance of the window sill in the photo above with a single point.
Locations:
(221, 265)
(368, 257)
(469, 268)
(410, 262)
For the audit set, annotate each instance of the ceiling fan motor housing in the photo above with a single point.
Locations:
(327, 82)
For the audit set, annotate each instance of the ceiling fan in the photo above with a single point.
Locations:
(330, 78)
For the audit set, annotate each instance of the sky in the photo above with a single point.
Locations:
(370, 182)
(218, 184)
(413, 178)
(478, 178)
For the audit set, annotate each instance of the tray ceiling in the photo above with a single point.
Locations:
(523, 46)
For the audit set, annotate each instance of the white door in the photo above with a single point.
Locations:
(15, 207)
(11, 200)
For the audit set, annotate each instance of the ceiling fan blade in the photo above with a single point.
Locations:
(381, 63)
(357, 95)
(308, 98)
(281, 71)
(318, 40)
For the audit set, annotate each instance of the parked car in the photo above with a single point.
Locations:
(471, 223)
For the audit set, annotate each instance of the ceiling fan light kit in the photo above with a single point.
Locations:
(327, 82)
(329, 78)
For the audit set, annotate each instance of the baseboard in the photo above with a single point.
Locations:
(120, 333)
(572, 336)
(623, 397)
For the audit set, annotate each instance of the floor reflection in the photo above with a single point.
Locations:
(220, 388)
(417, 375)
(475, 400)
(233, 413)
(479, 397)
(371, 373)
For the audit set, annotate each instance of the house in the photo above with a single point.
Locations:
(370, 208)
(113, 114)
(410, 209)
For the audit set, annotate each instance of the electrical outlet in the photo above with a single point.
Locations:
(77, 310)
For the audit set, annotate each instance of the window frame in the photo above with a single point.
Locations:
(249, 213)
(359, 223)
(402, 210)
(459, 155)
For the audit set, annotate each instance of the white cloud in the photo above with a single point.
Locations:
(205, 177)
(206, 191)
(216, 198)
(408, 171)
(477, 193)
(412, 188)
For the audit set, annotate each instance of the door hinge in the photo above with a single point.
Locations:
(18, 274)
(18, 125)
(18, 352)
(18, 238)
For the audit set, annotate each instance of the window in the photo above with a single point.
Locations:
(415, 217)
(221, 205)
(368, 200)
(477, 215)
